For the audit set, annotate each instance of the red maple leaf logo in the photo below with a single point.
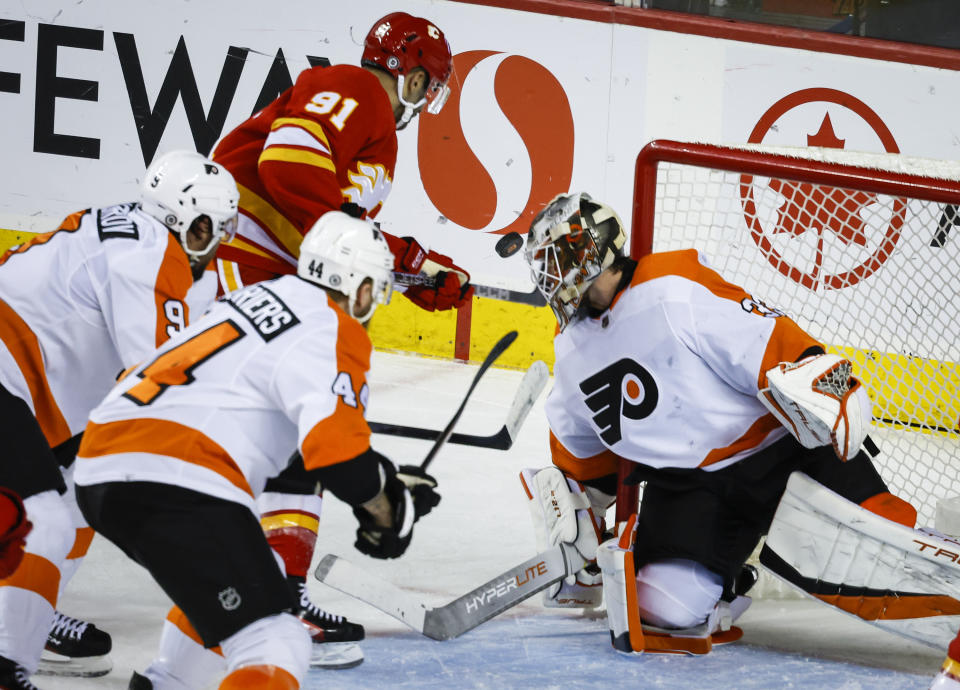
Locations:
(809, 206)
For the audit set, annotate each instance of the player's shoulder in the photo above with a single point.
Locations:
(341, 78)
(372, 105)
(120, 225)
(682, 263)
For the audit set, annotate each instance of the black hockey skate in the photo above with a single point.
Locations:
(334, 637)
(13, 676)
(75, 648)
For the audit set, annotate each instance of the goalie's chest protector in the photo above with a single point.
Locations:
(668, 376)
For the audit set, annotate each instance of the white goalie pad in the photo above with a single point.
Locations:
(820, 402)
(561, 512)
(903, 580)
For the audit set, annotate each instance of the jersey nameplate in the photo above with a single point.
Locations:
(263, 309)
(114, 221)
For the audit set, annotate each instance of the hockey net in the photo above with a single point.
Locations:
(861, 250)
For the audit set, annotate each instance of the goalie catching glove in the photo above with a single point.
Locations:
(450, 285)
(386, 521)
(820, 402)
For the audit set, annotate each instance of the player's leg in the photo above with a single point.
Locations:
(28, 597)
(74, 647)
(690, 548)
(210, 556)
(948, 678)
(290, 515)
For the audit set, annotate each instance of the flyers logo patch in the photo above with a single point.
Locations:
(623, 389)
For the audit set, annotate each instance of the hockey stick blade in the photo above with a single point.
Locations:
(497, 350)
(463, 613)
(531, 385)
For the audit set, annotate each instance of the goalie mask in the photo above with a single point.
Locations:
(569, 244)
(181, 186)
(340, 252)
(399, 43)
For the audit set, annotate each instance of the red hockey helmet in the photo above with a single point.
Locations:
(400, 43)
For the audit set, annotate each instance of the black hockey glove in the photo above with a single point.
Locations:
(373, 538)
(422, 487)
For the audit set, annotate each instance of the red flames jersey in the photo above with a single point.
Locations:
(329, 139)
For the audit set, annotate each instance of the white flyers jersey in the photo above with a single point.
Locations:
(82, 303)
(219, 409)
(668, 375)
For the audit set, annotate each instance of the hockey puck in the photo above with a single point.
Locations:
(509, 244)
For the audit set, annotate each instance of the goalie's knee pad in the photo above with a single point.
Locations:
(677, 593)
(561, 512)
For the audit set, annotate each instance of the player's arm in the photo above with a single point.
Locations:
(146, 302)
(321, 133)
(387, 500)
(760, 351)
(448, 285)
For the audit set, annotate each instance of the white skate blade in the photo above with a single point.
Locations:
(53, 664)
(334, 655)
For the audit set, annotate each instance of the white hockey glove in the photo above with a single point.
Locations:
(561, 512)
(820, 402)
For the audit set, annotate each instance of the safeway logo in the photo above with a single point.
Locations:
(503, 145)
(822, 237)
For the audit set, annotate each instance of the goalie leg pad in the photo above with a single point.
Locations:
(903, 580)
(561, 512)
(615, 558)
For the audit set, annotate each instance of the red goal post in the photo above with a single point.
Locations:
(862, 250)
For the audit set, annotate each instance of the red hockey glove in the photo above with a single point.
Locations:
(446, 293)
(14, 528)
(451, 285)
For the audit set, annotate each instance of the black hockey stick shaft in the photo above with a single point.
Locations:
(497, 441)
(492, 356)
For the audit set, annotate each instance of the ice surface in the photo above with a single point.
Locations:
(480, 529)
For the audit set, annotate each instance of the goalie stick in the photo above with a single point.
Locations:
(463, 613)
(531, 385)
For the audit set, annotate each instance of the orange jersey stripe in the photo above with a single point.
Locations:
(38, 575)
(161, 437)
(582, 469)
(173, 281)
(755, 434)
(81, 543)
(345, 434)
(69, 224)
(25, 349)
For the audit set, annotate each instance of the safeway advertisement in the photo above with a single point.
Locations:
(91, 92)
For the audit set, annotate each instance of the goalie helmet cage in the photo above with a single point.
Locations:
(861, 250)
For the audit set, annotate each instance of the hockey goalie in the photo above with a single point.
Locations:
(713, 396)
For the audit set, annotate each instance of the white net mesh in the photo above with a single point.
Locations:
(873, 276)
